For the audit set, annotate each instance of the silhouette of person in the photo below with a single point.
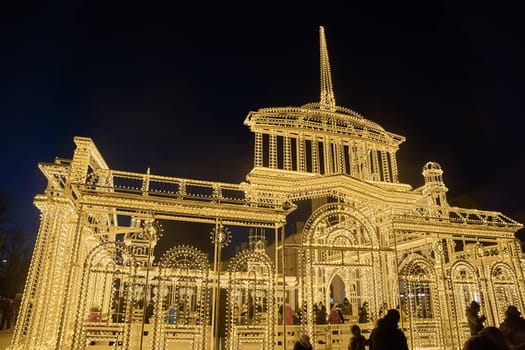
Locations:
(289, 314)
(320, 317)
(173, 314)
(303, 343)
(363, 313)
(480, 342)
(513, 326)
(7, 313)
(149, 312)
(475, 321)
(357, 341)
(334, 317)
(347, 307)
(386, 335)
(496, 336)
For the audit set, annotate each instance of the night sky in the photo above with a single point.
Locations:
(168, 87)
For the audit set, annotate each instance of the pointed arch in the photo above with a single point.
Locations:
(337, 287)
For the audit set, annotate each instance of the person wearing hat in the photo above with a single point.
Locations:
(513, 326)
(303, 343)
(475, 321)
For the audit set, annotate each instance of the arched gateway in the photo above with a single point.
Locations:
(338, 228)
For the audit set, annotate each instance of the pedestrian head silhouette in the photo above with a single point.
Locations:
(512, 311)
(392, 316)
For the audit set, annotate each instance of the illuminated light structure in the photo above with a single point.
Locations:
(369, 238)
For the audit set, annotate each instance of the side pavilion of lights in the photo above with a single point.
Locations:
(365, 237)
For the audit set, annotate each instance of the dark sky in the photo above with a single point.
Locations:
(168, 87)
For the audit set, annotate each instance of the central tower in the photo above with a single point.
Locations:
(322, 138)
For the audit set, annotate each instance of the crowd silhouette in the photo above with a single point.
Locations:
(386, 335)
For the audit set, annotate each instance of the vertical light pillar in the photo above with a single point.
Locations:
(442, 288)
(393, 165)
(301, 160)
(365, 163)
(258, 149)
(386, 168)
(273, 151)
(376, 172)
(315, 156)
(352, 156)
(287, 153)
(341, 166)
(24, 333)
(327, 150)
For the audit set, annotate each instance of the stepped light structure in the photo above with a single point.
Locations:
(361, 238)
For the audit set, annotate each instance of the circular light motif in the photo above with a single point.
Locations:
(221, 236)
(152, 230)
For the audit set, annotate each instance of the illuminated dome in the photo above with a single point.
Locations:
(432, 166)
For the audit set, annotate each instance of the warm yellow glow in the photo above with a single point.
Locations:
(368, 238)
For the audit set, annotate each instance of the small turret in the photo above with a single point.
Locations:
(434, 188)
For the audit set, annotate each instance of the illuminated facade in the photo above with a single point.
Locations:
(369, 238)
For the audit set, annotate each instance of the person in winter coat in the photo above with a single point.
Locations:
(357, 341)
(303, 343)
(334, 317)
(475, 321)
(320, 316)
(363, 313)
(513, 326)
(386, 335)
(289, 314)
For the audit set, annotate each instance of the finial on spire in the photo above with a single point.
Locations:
(327, 91)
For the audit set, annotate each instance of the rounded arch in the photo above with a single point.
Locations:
(242, 260)
(108, 283)
(466, 286)
(504, 289)
(337, 233)
(413, 261)
(334, 214)
(116, 252)
(501, 270)
(342, 237)
(456, 267)
(181, 298)
(251, 300)
(184, 257)
(419, 298)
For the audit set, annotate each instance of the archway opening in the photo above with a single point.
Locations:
(337, 290)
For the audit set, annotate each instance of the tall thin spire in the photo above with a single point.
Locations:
(327, 92)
